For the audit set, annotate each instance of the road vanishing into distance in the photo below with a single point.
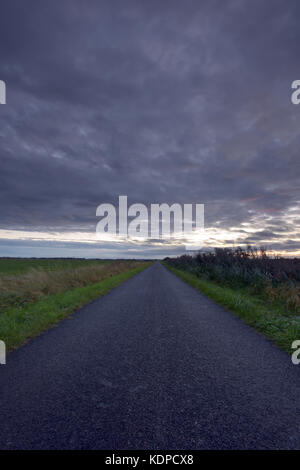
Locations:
(154, 365)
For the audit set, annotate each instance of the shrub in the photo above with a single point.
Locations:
(276, 279)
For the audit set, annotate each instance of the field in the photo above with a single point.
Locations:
(37, 293)
(21, 265)
(263, 291)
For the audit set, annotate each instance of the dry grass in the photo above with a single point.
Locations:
(37, 283)
(39, 299)
(286, 294)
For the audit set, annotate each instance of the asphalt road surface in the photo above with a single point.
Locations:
(151, 365)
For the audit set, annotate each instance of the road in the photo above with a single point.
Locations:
(151, 365)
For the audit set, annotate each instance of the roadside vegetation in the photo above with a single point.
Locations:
(41, 296)
(13, 266)
(263, 291)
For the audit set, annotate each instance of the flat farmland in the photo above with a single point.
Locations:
(16, 266)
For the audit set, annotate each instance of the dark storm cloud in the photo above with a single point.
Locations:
(164, 101)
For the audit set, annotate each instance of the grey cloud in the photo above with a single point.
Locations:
(163, 101)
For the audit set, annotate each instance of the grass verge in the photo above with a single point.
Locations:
(17, 325)
(272, 321)
(31, 286)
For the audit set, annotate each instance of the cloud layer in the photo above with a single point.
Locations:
(167, 101)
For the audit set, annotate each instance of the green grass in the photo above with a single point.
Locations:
(16, 266)
(271, 320)
(17, 325)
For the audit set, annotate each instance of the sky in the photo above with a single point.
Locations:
(163, 101)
